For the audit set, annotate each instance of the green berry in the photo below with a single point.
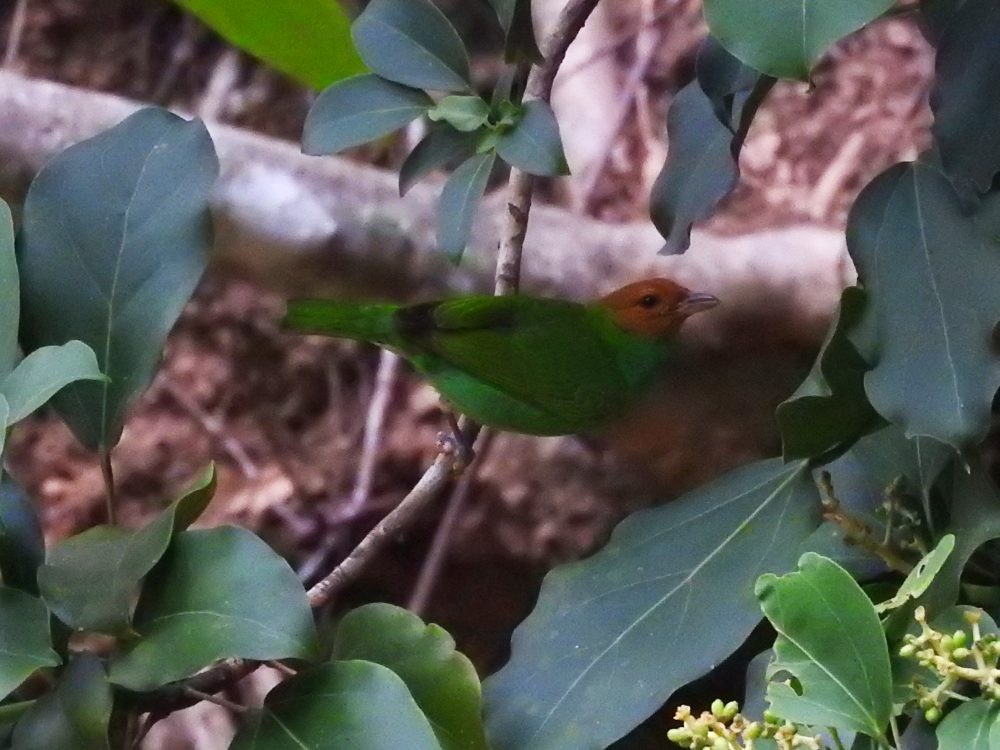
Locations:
(718, 709)
(753, 731)
(731, 709)
(959, 638)
(933, 715)
(961, 653)
(771, 718)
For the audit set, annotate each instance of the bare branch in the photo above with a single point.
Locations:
(17, 23)
(371, 443)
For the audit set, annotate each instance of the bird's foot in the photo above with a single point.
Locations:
(456, 444)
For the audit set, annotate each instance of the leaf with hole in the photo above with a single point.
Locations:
(830, 408)
(348, 704)
(464, 113)
(359, 110)
(785, 38)
(90, 580)
(441, 147)
(533, 143)
(217, 594)
(442, 681)
(412, 43)
(610, 637)
(22, 546)
(460, 199)
(700, 169)
(116, 235)
(74, 716)
(25, 644)
(830, 640)
(922, 575)
(931, 277)
(309, 40)
(10, 293)
(965, 114)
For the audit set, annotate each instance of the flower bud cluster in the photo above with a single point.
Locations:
(953, 658)
(725, 728)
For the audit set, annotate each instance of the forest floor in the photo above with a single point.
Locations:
(283, 416)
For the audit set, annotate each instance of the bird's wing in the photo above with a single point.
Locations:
(546, 352)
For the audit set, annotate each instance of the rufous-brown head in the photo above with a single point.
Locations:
(655, 307)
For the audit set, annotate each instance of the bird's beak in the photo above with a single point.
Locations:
(697, 302)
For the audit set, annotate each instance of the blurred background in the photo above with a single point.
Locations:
(284, 416)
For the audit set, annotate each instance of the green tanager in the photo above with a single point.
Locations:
(525, 364)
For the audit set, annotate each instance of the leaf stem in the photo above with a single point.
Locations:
(108, 472)
(895, 732)
(836, 738)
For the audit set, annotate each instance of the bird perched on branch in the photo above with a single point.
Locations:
(525, 364)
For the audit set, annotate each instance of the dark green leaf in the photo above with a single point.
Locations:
(533, 144)
(888, 454)
(459, 202)
(611, 637)
(90, 580)
(754, 698)
(965, 114)
(442, 681)
(22, 546)
(74, 716)
(831, 641)
(24, 638)
(830, 408)
(359, 110)
(10, 293)
(217, 594)
(464, 113)
(4, 415)
(412, 43)
(785, 38)
(442, 146)
(518, 25)
(116, 235)
(969, 726)
(931, 277)
(309, 40)
(350, 704)
(45, 372)
(725, 80)
(700, 170)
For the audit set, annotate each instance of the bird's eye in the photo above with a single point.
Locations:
(650, 300)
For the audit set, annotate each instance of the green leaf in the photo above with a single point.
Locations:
(830, 640)
(4, 416)
(830, 407)
(970, 726)
(785, 38)
(459, 202)
(24, 638)
(90, 580)
(464, 113)
(922, 575)
(309, 40)
(965, 115)
(22, 546)
(888, 454)
(412, 43)
(726, 81)
(533, 144)
(10, 293)
(45, 372)
(442, 681)
(441, 147)
(932, 278)
(74, 716)
(116, 235)
(665, 601)
(359, 110)
(349, 704)
(518, 25)
(217, 594)
(700, 169)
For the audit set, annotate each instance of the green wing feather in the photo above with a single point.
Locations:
(550, 353)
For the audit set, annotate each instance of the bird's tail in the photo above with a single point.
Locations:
(349, 320)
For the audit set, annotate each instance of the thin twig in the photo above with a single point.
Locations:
(371, 443)
(236, 708)
(431, 569)
(108, 472)
(286, 670)
(214, 428)
(17, 23)
(151, 718)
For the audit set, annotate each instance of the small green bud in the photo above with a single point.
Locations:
(731, 709)
(947, 644)
(959, 638)
(908, 650)
(721, 743)
(771, 718)
(973, 616)
(961, 653)
(753, 731)
(718, 709)
(700, 730)
(933, 715)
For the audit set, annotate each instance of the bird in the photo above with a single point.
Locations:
(519, 363)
